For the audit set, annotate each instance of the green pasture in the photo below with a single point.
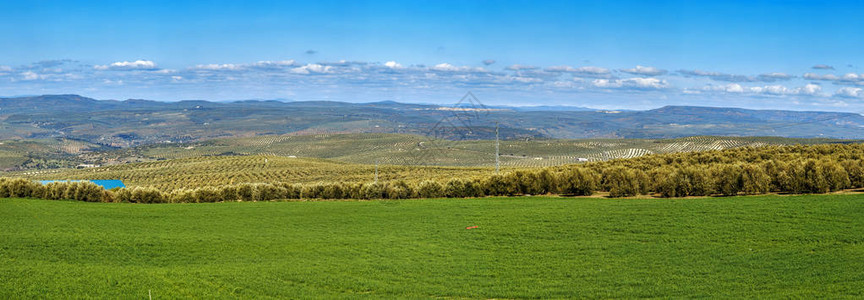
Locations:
(523, 247)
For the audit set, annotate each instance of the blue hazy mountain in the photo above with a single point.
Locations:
(136, 121)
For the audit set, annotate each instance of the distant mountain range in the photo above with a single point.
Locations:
(136, 122)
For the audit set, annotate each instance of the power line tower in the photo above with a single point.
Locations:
(497, 151)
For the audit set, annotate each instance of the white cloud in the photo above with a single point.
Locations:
(30, 75)
(850, 92)
(590, 72)
(128, 65)
(341, 63)
(814, 76)
(647, 71)
(518, 67)
(266, 64)
(770, 90)
(774, 90)
(261, 65)
(444, 77)
(445, 67)
(823, 67)
(845, 79)
(216, 67)
(809, 90)
(488, 62)
(775, 76)
(639, 83)
(312, 69)
(728, 88)
(718, 76)
(560, 69)
(734, 88)
(393, 65)
(852, 77)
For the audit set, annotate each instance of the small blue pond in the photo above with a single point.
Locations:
(107, 184)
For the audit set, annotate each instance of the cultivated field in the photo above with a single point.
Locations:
(367, 148)
(399, 149)
(530, 247)
(227, 170)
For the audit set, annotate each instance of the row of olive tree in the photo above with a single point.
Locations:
(792, 169)
(81, 191)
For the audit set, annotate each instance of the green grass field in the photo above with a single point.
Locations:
(535, 247)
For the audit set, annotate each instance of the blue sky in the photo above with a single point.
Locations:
(801, 55)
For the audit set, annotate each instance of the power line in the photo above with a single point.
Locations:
(497, 151)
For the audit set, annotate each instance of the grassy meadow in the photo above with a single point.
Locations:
(524, 247)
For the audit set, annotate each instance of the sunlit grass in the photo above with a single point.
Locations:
(527, 247)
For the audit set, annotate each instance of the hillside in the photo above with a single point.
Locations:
(226, 170)
(398, 149)
(751, 170)
(139, 122)
(369, 148)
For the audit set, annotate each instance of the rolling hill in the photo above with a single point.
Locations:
(139, 122)
(369, 148)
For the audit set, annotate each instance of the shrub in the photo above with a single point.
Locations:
(855, 170)
(292, 191)
(811, 178)
(88, 191)
(372, 191)
(245, 192)
(621, 182)
(430, 189)
(182, 196)
(207, 194)
(496, 185)
(140, 195)
(457, 188)
(228, 193)
(754, 180)
(399, 190)
(528, 183)
(55, 191)
(353, 191)
(268, 192)
(20, 187)
(577, 181)
(728, 180)
(687, 181)
(835, 175)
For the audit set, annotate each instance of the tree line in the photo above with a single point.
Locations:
(771, 169)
